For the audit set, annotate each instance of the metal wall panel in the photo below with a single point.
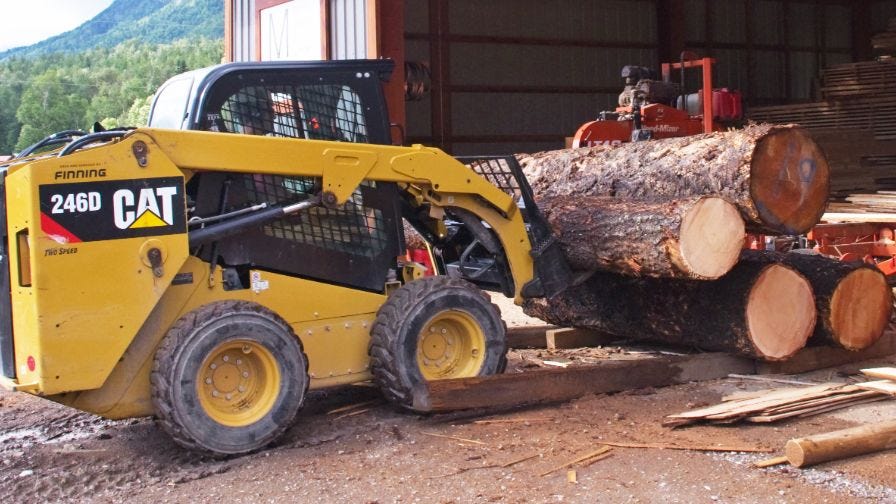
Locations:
(348, 29)
(881, 12)
(766, 27)
(606, 20)
(243, 30)
(727, 21)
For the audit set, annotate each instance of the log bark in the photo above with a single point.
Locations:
(853, 300)
(841, 444)
(765, 311)
(776, 175)
(698, 237)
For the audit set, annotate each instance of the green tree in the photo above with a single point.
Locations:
(50, 103)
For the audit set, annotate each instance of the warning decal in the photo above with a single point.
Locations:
(115, 209)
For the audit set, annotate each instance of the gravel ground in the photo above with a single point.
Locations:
(376, 454)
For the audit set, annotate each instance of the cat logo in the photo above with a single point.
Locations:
(149, 207)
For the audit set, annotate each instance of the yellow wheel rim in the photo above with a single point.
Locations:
(238, 383)
(451, 345)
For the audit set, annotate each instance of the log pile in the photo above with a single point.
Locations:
(659, 227)
(776, 175)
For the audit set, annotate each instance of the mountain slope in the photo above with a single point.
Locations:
(150, 21)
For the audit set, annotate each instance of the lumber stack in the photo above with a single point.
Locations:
(855, 123)
(775, 405)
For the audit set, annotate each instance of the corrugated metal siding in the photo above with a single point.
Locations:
(243, 30)
(348, 32)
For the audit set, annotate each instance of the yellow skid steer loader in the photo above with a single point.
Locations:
(212, 278)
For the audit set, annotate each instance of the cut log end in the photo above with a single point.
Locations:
(712, 234)
(860, 309)
(789, 180)
(795, 454)
(780, 312)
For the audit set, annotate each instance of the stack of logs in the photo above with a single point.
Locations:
(658, 228)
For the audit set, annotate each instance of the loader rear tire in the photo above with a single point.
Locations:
(431, 329)
(228, 378)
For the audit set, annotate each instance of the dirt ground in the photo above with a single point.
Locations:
(376, 454)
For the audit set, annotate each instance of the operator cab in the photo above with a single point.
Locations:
(353, 245)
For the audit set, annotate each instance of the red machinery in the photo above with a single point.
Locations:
(645, 107)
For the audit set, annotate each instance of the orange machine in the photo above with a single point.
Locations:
(646, 107)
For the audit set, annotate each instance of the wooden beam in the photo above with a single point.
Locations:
(557, 385)
(528, 336)
(577, 338)
(812, 358)
(390, 44)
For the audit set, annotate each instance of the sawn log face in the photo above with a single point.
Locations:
(852, 299)
(730, 314)
(696, 237)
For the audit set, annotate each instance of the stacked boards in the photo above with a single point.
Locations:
(659, 227)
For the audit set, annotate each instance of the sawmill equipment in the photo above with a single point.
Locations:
(650, 108)
(211, 278)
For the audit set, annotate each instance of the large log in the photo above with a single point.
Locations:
(841, 444)
(765, 311)
(776, 175)
(698, 237)
(853, 300)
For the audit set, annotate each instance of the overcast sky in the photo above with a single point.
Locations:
(26, 22)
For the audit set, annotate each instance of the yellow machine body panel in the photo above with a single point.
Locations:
(101, 267)
(332, 322)
(79, 297)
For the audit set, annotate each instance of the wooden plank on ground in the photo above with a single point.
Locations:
(577, 338)
(528, 336)
(557, 385)
(884, 373)
(812, 358)
(885, 386)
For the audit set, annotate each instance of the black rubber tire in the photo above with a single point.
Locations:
(185, 347)
(393, 345)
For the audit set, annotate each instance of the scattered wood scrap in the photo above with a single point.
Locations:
(884, 386)
(841, 444)
(887, 383)
(770, 462)
(778, 405)
(884, 373)
(463, 440)
(706, 448)
(598, 454)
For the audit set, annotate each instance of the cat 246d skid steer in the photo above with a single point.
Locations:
(212, 278)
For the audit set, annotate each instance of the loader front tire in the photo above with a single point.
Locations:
(228, 378)
(431, 329)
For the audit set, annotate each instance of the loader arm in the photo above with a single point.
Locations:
(427, 173)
